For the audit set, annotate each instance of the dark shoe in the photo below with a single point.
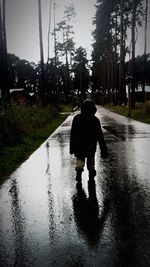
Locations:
(79, 175)
(92, 174)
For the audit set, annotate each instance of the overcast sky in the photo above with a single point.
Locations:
(22, 26)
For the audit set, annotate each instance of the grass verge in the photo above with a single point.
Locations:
(13, 156)
(141, 112)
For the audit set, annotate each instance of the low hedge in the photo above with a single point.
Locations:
(24, 129)
(17, 122)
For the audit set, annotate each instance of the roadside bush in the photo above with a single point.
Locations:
(147, 108)
(11, 129)
(17, 122)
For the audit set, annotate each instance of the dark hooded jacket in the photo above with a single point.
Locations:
(86, 132)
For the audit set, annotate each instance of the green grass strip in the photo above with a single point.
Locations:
(13, 156)
(141, 111)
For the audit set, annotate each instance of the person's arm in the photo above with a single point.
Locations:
(101, 141)
(72, 136)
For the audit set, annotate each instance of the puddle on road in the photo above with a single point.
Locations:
(126, 132)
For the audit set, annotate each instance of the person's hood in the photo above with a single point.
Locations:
(88, 108)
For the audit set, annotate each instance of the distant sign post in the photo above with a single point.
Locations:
(129, 82)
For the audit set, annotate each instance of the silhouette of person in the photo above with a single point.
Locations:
(85, 133)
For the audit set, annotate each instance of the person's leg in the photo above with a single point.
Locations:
(91, 166)
(79, 168)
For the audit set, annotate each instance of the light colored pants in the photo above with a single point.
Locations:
(90, 163)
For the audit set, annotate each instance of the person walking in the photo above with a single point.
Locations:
(86, 132)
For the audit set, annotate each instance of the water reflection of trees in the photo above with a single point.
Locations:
(22, 255)
(50, 196)
(129, 214)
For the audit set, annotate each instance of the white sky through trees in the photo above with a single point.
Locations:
(22, 27)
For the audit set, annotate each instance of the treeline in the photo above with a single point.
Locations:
(25, 74)
(69, 75)
(115, 21)
(64, 75)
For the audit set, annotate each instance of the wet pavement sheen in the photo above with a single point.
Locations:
(48, 220)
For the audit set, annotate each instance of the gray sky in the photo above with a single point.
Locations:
(22, 26)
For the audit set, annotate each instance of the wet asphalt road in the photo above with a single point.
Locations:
(46, 220)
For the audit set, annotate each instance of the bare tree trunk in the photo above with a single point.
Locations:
(49, 31)
(47, 83)
(5, 50)
(81, 89)
(42, 74)
(145, 45)
(108, 76)
(133, 53)
(55, 34)
(55, 49)
(121, 72)
(112, 78)
(115, 62)
(3, 54)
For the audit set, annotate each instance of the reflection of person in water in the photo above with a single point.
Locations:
(86, 212)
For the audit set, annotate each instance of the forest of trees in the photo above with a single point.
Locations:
(69, 74)
(114, 21)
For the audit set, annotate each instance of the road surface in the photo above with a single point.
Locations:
(46, 220)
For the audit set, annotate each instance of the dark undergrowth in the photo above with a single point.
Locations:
(23, 131)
